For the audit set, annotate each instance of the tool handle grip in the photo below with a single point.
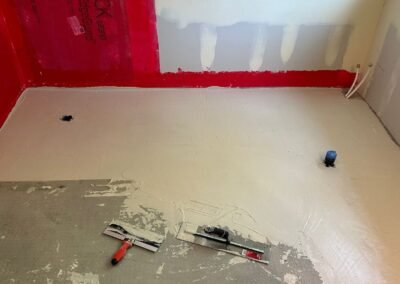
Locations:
(218, 232)
(121, 252)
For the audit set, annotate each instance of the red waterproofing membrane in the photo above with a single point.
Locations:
(16, 61)
(77, 41)
(10, 85)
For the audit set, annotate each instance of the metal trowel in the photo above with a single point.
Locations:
(132, 236)
(219, 239)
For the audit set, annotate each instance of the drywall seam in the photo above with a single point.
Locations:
(388, 16)
(393, 82)
(381, 90)
(208, 42)
(260, 44)
(335, 40)
(290, 35)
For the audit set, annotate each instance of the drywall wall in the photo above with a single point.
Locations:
(265, 34)
(383, 92)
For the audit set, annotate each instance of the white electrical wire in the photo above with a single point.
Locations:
(361, 83)
(355, 80)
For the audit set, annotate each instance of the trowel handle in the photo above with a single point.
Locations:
(120, 253)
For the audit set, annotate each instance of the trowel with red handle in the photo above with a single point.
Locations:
(131, 236)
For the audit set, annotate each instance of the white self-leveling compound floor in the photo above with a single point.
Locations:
(257, 149)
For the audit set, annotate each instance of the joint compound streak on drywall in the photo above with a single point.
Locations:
(260, 45)
(290, 34)
(208, 42)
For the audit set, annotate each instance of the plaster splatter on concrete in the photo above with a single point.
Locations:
(101, 204)
(57, 191)
(200, 279)
(30, 190)
(3, 237)
(269, 273)
(285, 256)
(237, 260)
(74, 264)
(180, 250)
(141, 209)
(111, 189)
(45, 268)
(290, 278)
(160, 269)
(229, 278)
(85, 278)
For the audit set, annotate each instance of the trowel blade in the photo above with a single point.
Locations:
(187, 230)
(139, 237)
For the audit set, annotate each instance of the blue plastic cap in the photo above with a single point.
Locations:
(330, 158)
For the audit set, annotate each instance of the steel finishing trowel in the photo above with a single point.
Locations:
(219, 239)
(131, 236)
